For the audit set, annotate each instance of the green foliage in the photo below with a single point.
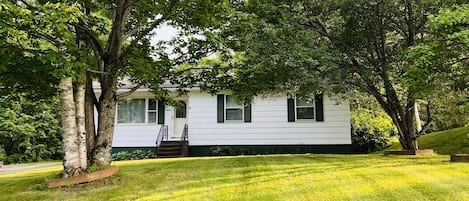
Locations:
(371, 126)
(94, 168)
(443, 54)
(222, 151)
(43, 32)
(29, 128)
(450, 109)
(229, 151)
(134, 155)
(366, 141)
(3, 155)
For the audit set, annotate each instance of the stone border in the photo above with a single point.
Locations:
(424, 152)
(84, 178)
(459, 158)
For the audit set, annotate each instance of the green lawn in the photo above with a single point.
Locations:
(444, 142)
(275, 177)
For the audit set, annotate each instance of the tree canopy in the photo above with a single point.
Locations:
(310, 46)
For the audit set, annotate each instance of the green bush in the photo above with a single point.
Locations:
(365, 141)
(2, 154)
(134, 155)
(230, 151)
(222, 151)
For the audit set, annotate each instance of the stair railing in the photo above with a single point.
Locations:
(184, 138)
(162, 135)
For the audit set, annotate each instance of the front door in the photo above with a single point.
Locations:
(180, 120)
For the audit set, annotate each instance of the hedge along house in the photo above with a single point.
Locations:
(206, 124)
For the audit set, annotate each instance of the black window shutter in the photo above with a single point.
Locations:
(220, 108)
(319, 107)
(247, 112)
(160, 112)
(291, 109)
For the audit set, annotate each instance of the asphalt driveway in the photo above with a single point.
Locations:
(20, 167)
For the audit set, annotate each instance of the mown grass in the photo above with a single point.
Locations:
(275, 177)
(444, 142)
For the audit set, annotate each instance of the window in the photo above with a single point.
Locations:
(233, 110)
(137, 111)
(304, 108)
(181, 110)
(151, 111)
(229, 110)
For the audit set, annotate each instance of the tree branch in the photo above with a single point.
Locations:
(97, 72)
(148, 29)
(94, 40)
(131, 91)
(28, 6)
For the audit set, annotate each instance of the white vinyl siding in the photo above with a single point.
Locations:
(269, 124)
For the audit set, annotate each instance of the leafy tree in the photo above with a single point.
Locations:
(445, 49)
(106, 41)
(29, 128)
(308, 46)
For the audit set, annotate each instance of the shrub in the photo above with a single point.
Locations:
(365, 140)
(230, 151)
(135, 155)
(222, 151)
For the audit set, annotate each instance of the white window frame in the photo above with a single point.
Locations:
(226, 113)
(147, 109)
(147, 100)
(305, 106)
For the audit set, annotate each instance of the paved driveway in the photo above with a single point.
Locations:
(15, 168)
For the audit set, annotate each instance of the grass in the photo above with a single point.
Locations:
(274, 177)
(443, 142)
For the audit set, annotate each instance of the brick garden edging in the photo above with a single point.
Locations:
(424, 152)
(101, 174)
(459, 158)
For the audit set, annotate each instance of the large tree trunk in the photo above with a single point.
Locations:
(80, 121)
(89, 118)
(407, 128)
(106, 116)
(70, 140)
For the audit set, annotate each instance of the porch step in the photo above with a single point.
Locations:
(171, 149)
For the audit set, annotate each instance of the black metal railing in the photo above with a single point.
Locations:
(185, 133)
(162, 135)
(184, 138)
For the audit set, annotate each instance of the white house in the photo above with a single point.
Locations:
(276, 124)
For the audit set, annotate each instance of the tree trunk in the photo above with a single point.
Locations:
(80, 121)
(106, 115)
(89, 118)
(71, 161)
(408, 132)
(418, 123)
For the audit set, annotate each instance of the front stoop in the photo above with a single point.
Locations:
(172, 149)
